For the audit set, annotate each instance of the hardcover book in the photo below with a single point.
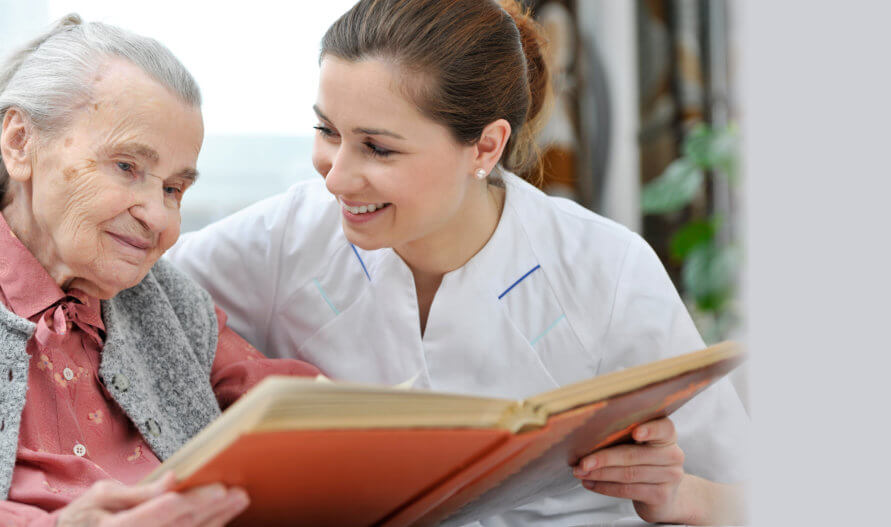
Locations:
(338, 454)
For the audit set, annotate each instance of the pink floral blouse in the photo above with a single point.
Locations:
(72, 432)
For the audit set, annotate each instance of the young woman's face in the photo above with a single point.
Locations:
(400, 177)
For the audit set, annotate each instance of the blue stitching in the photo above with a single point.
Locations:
(545, 332)
(506, 291)
(361, 262)
(322, 292)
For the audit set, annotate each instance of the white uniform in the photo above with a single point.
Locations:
(557, 295)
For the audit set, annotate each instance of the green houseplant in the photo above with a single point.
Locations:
(709, 260)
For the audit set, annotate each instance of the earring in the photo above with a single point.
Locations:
(480, 173)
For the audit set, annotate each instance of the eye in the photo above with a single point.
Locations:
(173, 191)
(126, 167)
(324, 130)
(377, 151)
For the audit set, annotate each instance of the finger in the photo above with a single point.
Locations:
(656, 432)
(238, 501)
(114, 496)
(177, 508)
(658, 494)
(636, 474)
(627, 455)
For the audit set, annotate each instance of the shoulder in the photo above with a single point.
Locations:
(166, 287)
(570, 238)
(591, 263)
(291, 233)
(178, 288)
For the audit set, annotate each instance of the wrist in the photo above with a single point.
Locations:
(704, 502)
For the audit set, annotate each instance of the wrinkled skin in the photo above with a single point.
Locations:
(98, 202)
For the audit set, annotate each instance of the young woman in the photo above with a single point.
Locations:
(422, 256)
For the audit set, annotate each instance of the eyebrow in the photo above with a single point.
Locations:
(149, 153)
(139, 150)
(359, 129)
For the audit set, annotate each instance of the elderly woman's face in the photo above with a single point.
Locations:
(106, 191)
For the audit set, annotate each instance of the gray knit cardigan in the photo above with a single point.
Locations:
(161, 339)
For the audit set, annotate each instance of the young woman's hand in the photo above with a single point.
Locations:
(112, 504)
(649, 472)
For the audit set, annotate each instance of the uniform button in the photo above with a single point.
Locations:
(120, 382)
(80, 450)
(68, 374)
(153, 427)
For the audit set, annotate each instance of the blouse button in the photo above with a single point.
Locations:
(80, 450)
(68, 374)
(120, 382)
(153, 427)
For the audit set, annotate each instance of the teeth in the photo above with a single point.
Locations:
(364, 208)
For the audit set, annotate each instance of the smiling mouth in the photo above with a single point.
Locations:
(363, 209)
(131, 242)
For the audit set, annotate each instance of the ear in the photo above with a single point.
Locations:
(492, 141)
(16, 144)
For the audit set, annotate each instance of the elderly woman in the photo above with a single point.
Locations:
(111, 359)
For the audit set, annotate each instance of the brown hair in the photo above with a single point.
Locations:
(476, 61)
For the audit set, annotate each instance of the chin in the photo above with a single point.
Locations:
(116, 278)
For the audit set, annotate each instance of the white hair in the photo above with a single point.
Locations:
(53, 75)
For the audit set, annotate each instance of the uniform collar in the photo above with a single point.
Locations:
(508, 255)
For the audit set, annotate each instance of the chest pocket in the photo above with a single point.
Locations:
(536, 312)
(318, 303)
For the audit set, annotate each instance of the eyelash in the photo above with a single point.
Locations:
(132, 168)
(373, 149)
(377, 151)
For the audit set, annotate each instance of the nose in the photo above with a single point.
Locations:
(151, 210)
(343, 174)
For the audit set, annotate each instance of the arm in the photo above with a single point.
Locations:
(671, 476)
(238, 366)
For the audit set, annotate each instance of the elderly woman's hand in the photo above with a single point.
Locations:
(111, 504)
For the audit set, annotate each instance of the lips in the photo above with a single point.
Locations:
(133, 241)
(358, 207)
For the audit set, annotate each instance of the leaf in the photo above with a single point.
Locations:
(724, 153)
(698, 146)
(709, 274)
(690, 235)
(673, 189)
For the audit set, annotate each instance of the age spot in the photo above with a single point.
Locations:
(69, 173)
(68, 142)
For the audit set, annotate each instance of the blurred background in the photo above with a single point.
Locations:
(644, 130)
(641, 128)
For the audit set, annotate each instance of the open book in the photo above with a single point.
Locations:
(312, 453)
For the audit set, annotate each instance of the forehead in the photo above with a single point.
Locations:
(126, 104)
(368, 93)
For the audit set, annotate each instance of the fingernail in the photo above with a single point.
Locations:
(579, 472)
(589, 465)
(588, 484)
(214, 492)
(239, 497)
(640, 434)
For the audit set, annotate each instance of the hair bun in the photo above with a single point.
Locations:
(533, 41)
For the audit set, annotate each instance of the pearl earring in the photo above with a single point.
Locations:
(480, 173)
